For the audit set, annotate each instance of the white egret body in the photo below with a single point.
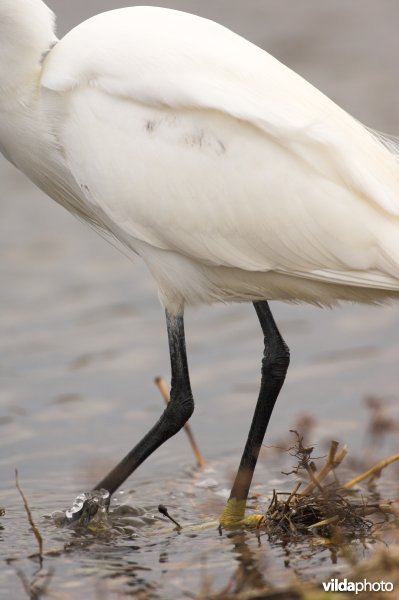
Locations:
(232, 177)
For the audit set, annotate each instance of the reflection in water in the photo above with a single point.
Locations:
(250, 573)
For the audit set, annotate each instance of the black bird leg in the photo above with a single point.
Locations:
(276, 358)
(177, 412)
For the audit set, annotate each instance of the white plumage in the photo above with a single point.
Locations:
(231, 176)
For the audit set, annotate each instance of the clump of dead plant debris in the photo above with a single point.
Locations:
(324, 507)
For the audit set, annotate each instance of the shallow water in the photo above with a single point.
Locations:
(82, 337)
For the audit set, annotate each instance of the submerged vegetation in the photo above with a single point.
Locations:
(328, 510)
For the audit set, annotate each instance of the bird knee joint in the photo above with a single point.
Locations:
(276, 363)
(179, 410)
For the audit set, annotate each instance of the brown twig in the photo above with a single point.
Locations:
(387, 508)
(293, 493)
(30, 519)
(373, 471)
(324, 522)
(334, 459)
(160, 383)
(314, 479)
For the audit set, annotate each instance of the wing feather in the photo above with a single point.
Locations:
(193, 140)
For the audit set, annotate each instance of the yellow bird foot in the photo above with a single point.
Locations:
(234, 516)
(253, 521)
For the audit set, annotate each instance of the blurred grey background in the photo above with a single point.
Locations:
(82, 334)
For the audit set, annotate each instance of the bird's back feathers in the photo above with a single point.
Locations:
(191, 141)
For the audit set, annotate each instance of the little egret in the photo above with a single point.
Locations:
(228, 174)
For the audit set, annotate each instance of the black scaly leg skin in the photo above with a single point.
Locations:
(276, 358)
(177, 412)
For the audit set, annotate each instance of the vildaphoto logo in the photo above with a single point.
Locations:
(343, 585)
